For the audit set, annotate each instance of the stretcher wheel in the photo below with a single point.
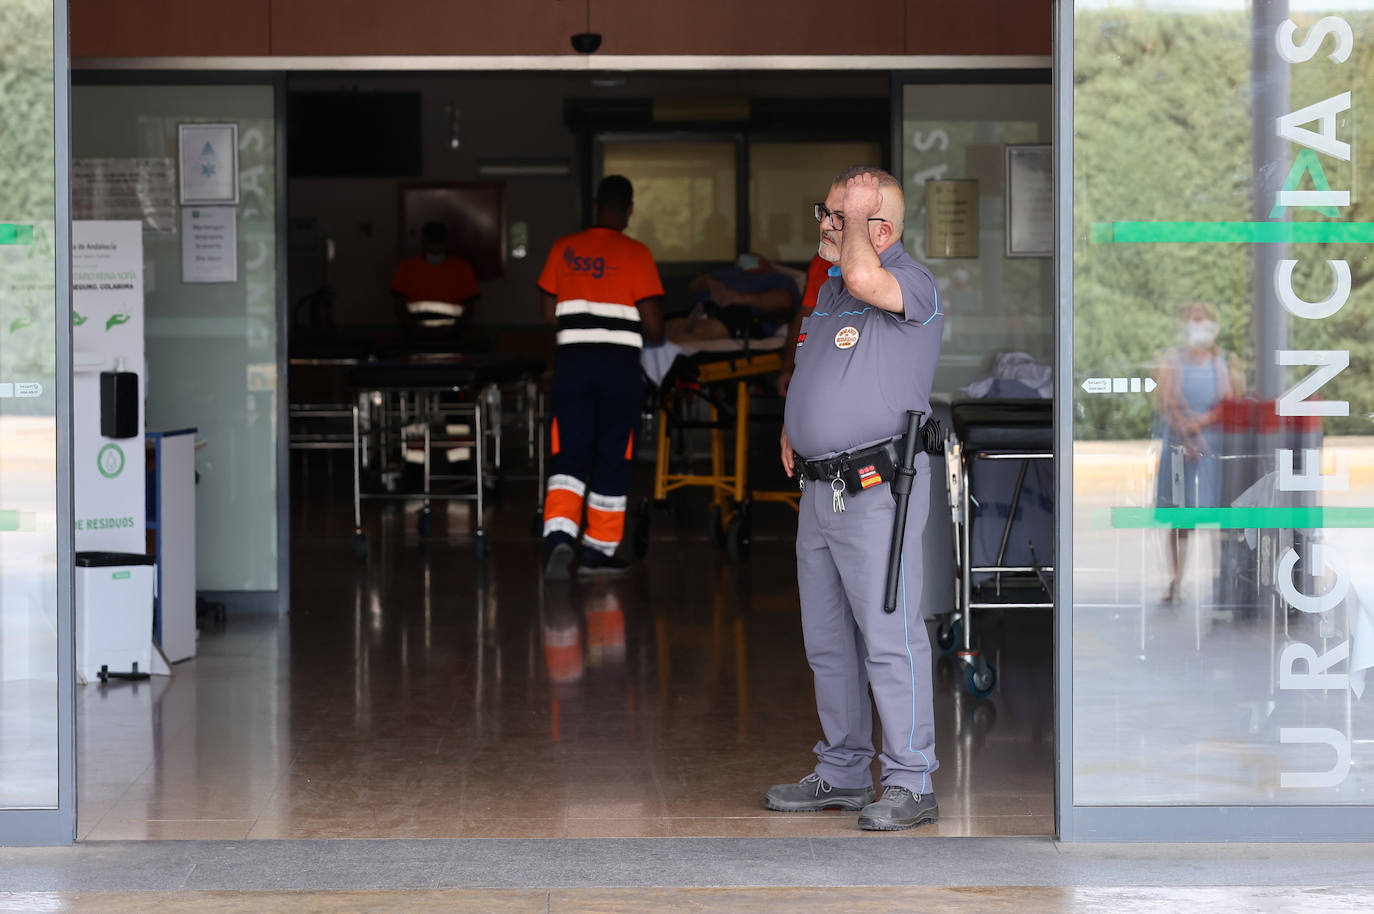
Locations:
(425, 522)
(359, 544)
(982, 678)
(717, 527)
(948, 636)
(639, 536)
(739, 536)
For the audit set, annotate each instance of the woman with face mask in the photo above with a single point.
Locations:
(1194, 379)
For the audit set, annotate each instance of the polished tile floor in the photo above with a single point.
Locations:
(422, 695)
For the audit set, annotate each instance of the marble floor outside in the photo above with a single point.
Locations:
(424, 695)
(945, 900)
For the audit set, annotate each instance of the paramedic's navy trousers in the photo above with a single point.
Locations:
(598, 392)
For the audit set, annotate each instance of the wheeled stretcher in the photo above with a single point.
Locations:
(409, 410)
(998, 434)
(716, 373)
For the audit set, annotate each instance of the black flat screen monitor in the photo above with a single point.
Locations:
(353, 134)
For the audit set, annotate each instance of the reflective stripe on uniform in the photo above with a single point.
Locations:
(597, 309)
(605, 521)
(563, 505)
(568, 483)
(602, 546)
(559, 525)
(629, 338)
(607, 502)
(435, 307)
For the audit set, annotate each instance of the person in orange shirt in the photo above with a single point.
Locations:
(602, 292)
(434, 291)
(816, 275)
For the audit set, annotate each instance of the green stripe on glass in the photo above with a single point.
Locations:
(15, 234)
(1231, 232)
(11, 521)
(1242, 518)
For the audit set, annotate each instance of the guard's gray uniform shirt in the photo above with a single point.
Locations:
(860, 368)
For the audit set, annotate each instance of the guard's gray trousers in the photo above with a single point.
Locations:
(852, 644)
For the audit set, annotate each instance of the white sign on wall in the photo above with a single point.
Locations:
(209, 244)
(209, 158)
(107, 314)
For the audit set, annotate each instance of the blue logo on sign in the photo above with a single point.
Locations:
(593, 265)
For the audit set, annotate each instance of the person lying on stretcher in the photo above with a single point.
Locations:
(750, 298)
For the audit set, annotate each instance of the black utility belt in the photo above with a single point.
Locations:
(859, 470)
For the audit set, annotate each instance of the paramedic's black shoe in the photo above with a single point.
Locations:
(558, 564)
(598, 564)
(812, 794)
(899, 809)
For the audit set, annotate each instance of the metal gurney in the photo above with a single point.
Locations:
(717, 373)
(1007, 434)
(409, 408)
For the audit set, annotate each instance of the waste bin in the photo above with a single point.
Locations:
(114, 614)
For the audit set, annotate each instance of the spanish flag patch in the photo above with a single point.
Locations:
(868, 476)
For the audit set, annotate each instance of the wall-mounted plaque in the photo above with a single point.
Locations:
(952, 218)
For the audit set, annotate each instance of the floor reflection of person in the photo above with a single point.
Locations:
(1194, 379)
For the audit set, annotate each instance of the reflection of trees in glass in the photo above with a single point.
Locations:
(26, 193)
(1163, 132)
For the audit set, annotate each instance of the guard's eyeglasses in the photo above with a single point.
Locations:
(836, 219)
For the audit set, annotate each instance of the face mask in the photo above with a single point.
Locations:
(436, 260)
(1202, 333)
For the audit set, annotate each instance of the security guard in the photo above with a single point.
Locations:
(602, 291)
(865, 355)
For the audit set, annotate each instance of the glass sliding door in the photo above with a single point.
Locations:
(37, 787)
(213, 343)
(1216, 279)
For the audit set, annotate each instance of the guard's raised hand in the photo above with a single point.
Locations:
(862, 198)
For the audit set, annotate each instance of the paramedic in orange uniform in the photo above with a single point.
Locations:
(434, 291)
(601, 290)
(816, 275)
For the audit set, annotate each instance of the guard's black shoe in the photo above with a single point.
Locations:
(899, 809)
(813, 793)
(559, 562)
(597, 563)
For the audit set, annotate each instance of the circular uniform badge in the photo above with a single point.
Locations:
(847, 338)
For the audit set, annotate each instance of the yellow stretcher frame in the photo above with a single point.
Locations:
(729, 490)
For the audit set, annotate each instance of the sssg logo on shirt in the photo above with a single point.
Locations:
(593, 265)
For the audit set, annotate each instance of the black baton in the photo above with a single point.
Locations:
(901, 488)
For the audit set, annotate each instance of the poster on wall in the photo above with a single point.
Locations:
(952, 218)
(107, 349)
(1030, 201)
(209, 159)
(116, 189)
(209, 244)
